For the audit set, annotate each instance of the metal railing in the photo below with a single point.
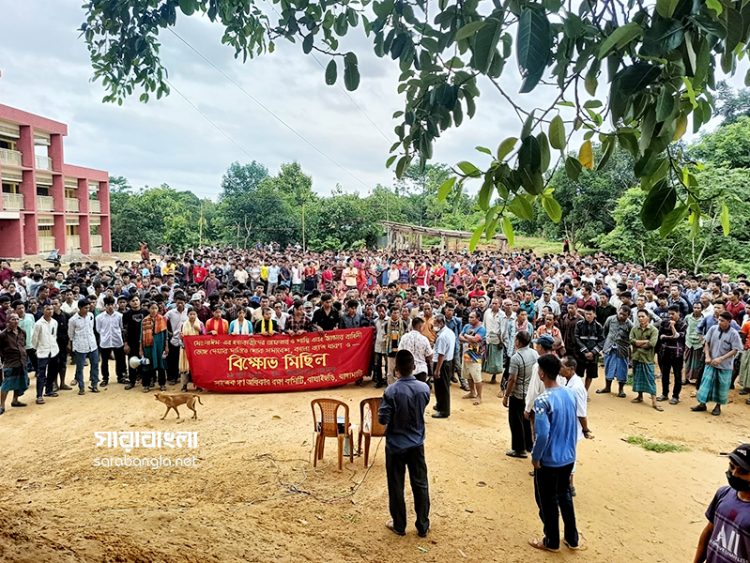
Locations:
(43, 162)
(71, 204)
(13, 202)
(95, 206)
(45, 203)
(10, 157)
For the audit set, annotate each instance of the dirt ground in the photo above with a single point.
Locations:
(255, 496)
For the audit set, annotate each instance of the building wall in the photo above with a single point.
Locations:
(19, 228)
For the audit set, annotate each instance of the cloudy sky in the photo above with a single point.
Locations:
(45, 70)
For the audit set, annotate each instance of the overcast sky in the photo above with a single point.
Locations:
(46, 70)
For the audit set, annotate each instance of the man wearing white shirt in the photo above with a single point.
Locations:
(416, 343)
(44, 341)
(544, 345)
(109, 326)
(175, 317)
(578, 387)
(496, 327)
(445, 348)
(83, 345)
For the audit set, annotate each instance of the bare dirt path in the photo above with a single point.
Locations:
(256, 497)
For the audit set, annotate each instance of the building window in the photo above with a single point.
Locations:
(10, 188)
(42, 190)
(71, 230)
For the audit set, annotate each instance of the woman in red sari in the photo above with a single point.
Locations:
(437, 276)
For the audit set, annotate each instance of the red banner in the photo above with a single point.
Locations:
(265, 364)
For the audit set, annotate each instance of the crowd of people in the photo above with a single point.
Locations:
(526, 321)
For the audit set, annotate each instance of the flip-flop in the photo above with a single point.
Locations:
(637, 400)
(469, 396)
(539, 544)
(658, 408)
(579, 547)
(477, 403)
(622, 395)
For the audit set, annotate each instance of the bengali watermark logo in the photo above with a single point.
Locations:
(127, 441)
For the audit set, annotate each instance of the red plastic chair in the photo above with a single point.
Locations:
(369, 425)
(328, 426)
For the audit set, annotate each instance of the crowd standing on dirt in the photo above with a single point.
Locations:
(472, 319)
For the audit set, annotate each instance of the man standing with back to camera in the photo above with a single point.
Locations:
(402, 412)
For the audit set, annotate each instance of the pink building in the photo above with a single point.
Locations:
(47, 204)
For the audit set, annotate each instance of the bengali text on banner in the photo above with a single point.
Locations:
(264, 364)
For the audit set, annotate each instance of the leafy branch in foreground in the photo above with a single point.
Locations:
(659, 61)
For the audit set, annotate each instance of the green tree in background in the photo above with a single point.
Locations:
(623, 73)
(158, 216)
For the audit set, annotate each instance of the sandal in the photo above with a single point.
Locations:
(469, 396)
(622, 395)
(637, 400)
(539, 544)
(658, 408)
(579, 547)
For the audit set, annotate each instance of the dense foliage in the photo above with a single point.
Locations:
(656, 62)
(256, 207)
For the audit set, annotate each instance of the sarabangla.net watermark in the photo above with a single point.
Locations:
(146, 462)
(130, 440)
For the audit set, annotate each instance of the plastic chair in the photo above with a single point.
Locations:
(329, 426)
(369, 425)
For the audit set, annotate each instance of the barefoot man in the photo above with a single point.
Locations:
(643, 338)
(472, 337)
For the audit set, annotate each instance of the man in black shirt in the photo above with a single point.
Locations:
(59, 366)
(131, 323)
(326, 318)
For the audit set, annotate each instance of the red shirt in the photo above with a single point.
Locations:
(737, 309)
(221, 326)
(199, 274)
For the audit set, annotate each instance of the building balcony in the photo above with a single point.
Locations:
(73, 242)
(95, 206)
(10, 157)
(45, 203)
(71, 204)
(13, 202)
(96, 244)
(46, 244)
(43, 162)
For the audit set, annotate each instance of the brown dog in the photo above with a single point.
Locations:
(173, 401)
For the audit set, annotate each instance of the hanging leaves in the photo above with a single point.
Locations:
(533, 46)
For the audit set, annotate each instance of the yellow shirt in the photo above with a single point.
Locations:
(264, 272)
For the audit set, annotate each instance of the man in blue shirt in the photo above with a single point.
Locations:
(402, 411)
(553, 456)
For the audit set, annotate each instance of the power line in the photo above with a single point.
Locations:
(204, 116)
(264, 107)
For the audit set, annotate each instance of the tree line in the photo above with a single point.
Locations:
(600, 208)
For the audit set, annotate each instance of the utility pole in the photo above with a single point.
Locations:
(304, 245)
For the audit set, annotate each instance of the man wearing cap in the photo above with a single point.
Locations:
(722, 343)
(725, 537)
(83, 345)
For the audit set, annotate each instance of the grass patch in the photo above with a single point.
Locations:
(654, 446)
(543, 246)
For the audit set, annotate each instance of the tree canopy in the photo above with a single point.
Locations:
(620, 72)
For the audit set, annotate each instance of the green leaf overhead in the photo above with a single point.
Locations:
(659, 203)
(351, 72)
(534, 43)
(661, 62)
